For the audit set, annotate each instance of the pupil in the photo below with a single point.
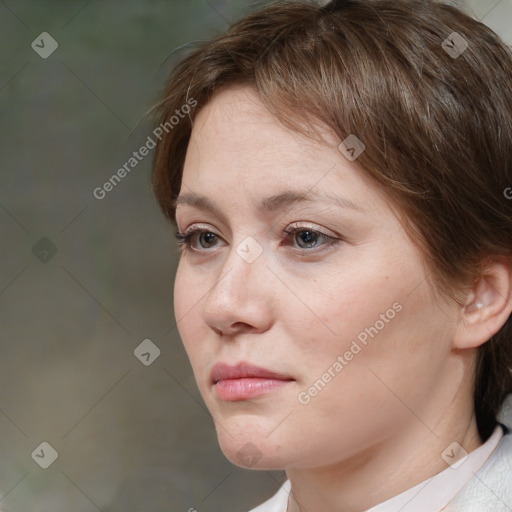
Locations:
(208, 237)
(307, 237)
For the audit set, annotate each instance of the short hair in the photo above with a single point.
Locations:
(424, 86)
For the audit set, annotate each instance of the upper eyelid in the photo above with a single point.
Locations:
(297, 226)
(197, 227)
(294, 225)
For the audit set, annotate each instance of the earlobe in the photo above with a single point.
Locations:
(488, 305)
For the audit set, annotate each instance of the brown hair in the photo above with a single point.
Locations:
(437, 126)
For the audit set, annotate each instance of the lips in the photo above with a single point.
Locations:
(244, 380)
(222, 371)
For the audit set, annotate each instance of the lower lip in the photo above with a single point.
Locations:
(233, 390)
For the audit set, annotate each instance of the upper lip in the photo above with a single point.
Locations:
(223, 371)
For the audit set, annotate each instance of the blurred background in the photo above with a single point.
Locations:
(90, 419)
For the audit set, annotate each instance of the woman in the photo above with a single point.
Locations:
(344, 287)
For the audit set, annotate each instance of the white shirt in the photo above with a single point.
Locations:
(431, 495)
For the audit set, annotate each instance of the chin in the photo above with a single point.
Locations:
(251, 447)
(253, 455)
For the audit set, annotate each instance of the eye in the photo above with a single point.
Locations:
(205, 237)
(308, 238)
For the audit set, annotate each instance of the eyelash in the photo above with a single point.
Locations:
(185, 240)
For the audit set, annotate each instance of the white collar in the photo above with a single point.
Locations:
(434, 494)
(431, 495)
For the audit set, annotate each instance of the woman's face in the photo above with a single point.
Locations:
(336, 314)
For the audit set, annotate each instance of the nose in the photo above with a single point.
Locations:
(241, 298)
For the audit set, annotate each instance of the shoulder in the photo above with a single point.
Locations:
(491, 487)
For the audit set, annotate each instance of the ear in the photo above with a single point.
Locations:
(488, 305)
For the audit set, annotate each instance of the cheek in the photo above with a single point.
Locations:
(368, 340)
(182, 295)
(372, 321)
(187, 308)
(190, 287)
(336, 309)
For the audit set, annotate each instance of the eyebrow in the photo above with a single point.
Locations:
(279, 201)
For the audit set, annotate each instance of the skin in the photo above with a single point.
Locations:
(403, 398)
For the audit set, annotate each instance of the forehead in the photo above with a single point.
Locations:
(235, 131)
(233, 103)
(236, 122)
(239, 151)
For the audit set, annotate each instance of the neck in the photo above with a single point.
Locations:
(384, 470)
